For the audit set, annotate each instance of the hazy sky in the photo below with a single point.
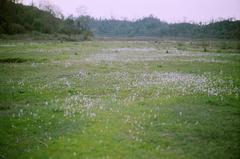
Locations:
(168, 10)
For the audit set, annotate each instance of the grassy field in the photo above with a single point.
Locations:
(120, 99)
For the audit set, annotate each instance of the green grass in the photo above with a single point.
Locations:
(57, 100)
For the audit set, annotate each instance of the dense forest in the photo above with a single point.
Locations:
(153, 27)
(17, 18)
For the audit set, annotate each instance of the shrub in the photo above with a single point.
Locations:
(1, 30)
(15, 28)
(13, 60)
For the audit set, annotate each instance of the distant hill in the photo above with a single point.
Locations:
(153, 27)
(18, 18)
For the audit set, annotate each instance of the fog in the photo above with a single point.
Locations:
(168, 10)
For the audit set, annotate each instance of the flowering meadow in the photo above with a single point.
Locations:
(166, 99)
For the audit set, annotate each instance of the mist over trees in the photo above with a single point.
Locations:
(16, 18)
(153, 27)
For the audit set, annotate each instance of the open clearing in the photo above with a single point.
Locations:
(119, 99)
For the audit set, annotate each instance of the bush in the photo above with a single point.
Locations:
(87, 35)
(37, 24)
(1, 30)
(47, 28)
(15, 28)
(13, 60)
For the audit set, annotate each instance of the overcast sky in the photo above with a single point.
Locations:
(168, 10)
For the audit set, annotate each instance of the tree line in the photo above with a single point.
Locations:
(154, 27)
(17, 18)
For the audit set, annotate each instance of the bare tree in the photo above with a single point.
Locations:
(81, 11)
(52, 8)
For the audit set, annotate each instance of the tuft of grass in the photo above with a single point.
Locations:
(20, 60)
(13, 60)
